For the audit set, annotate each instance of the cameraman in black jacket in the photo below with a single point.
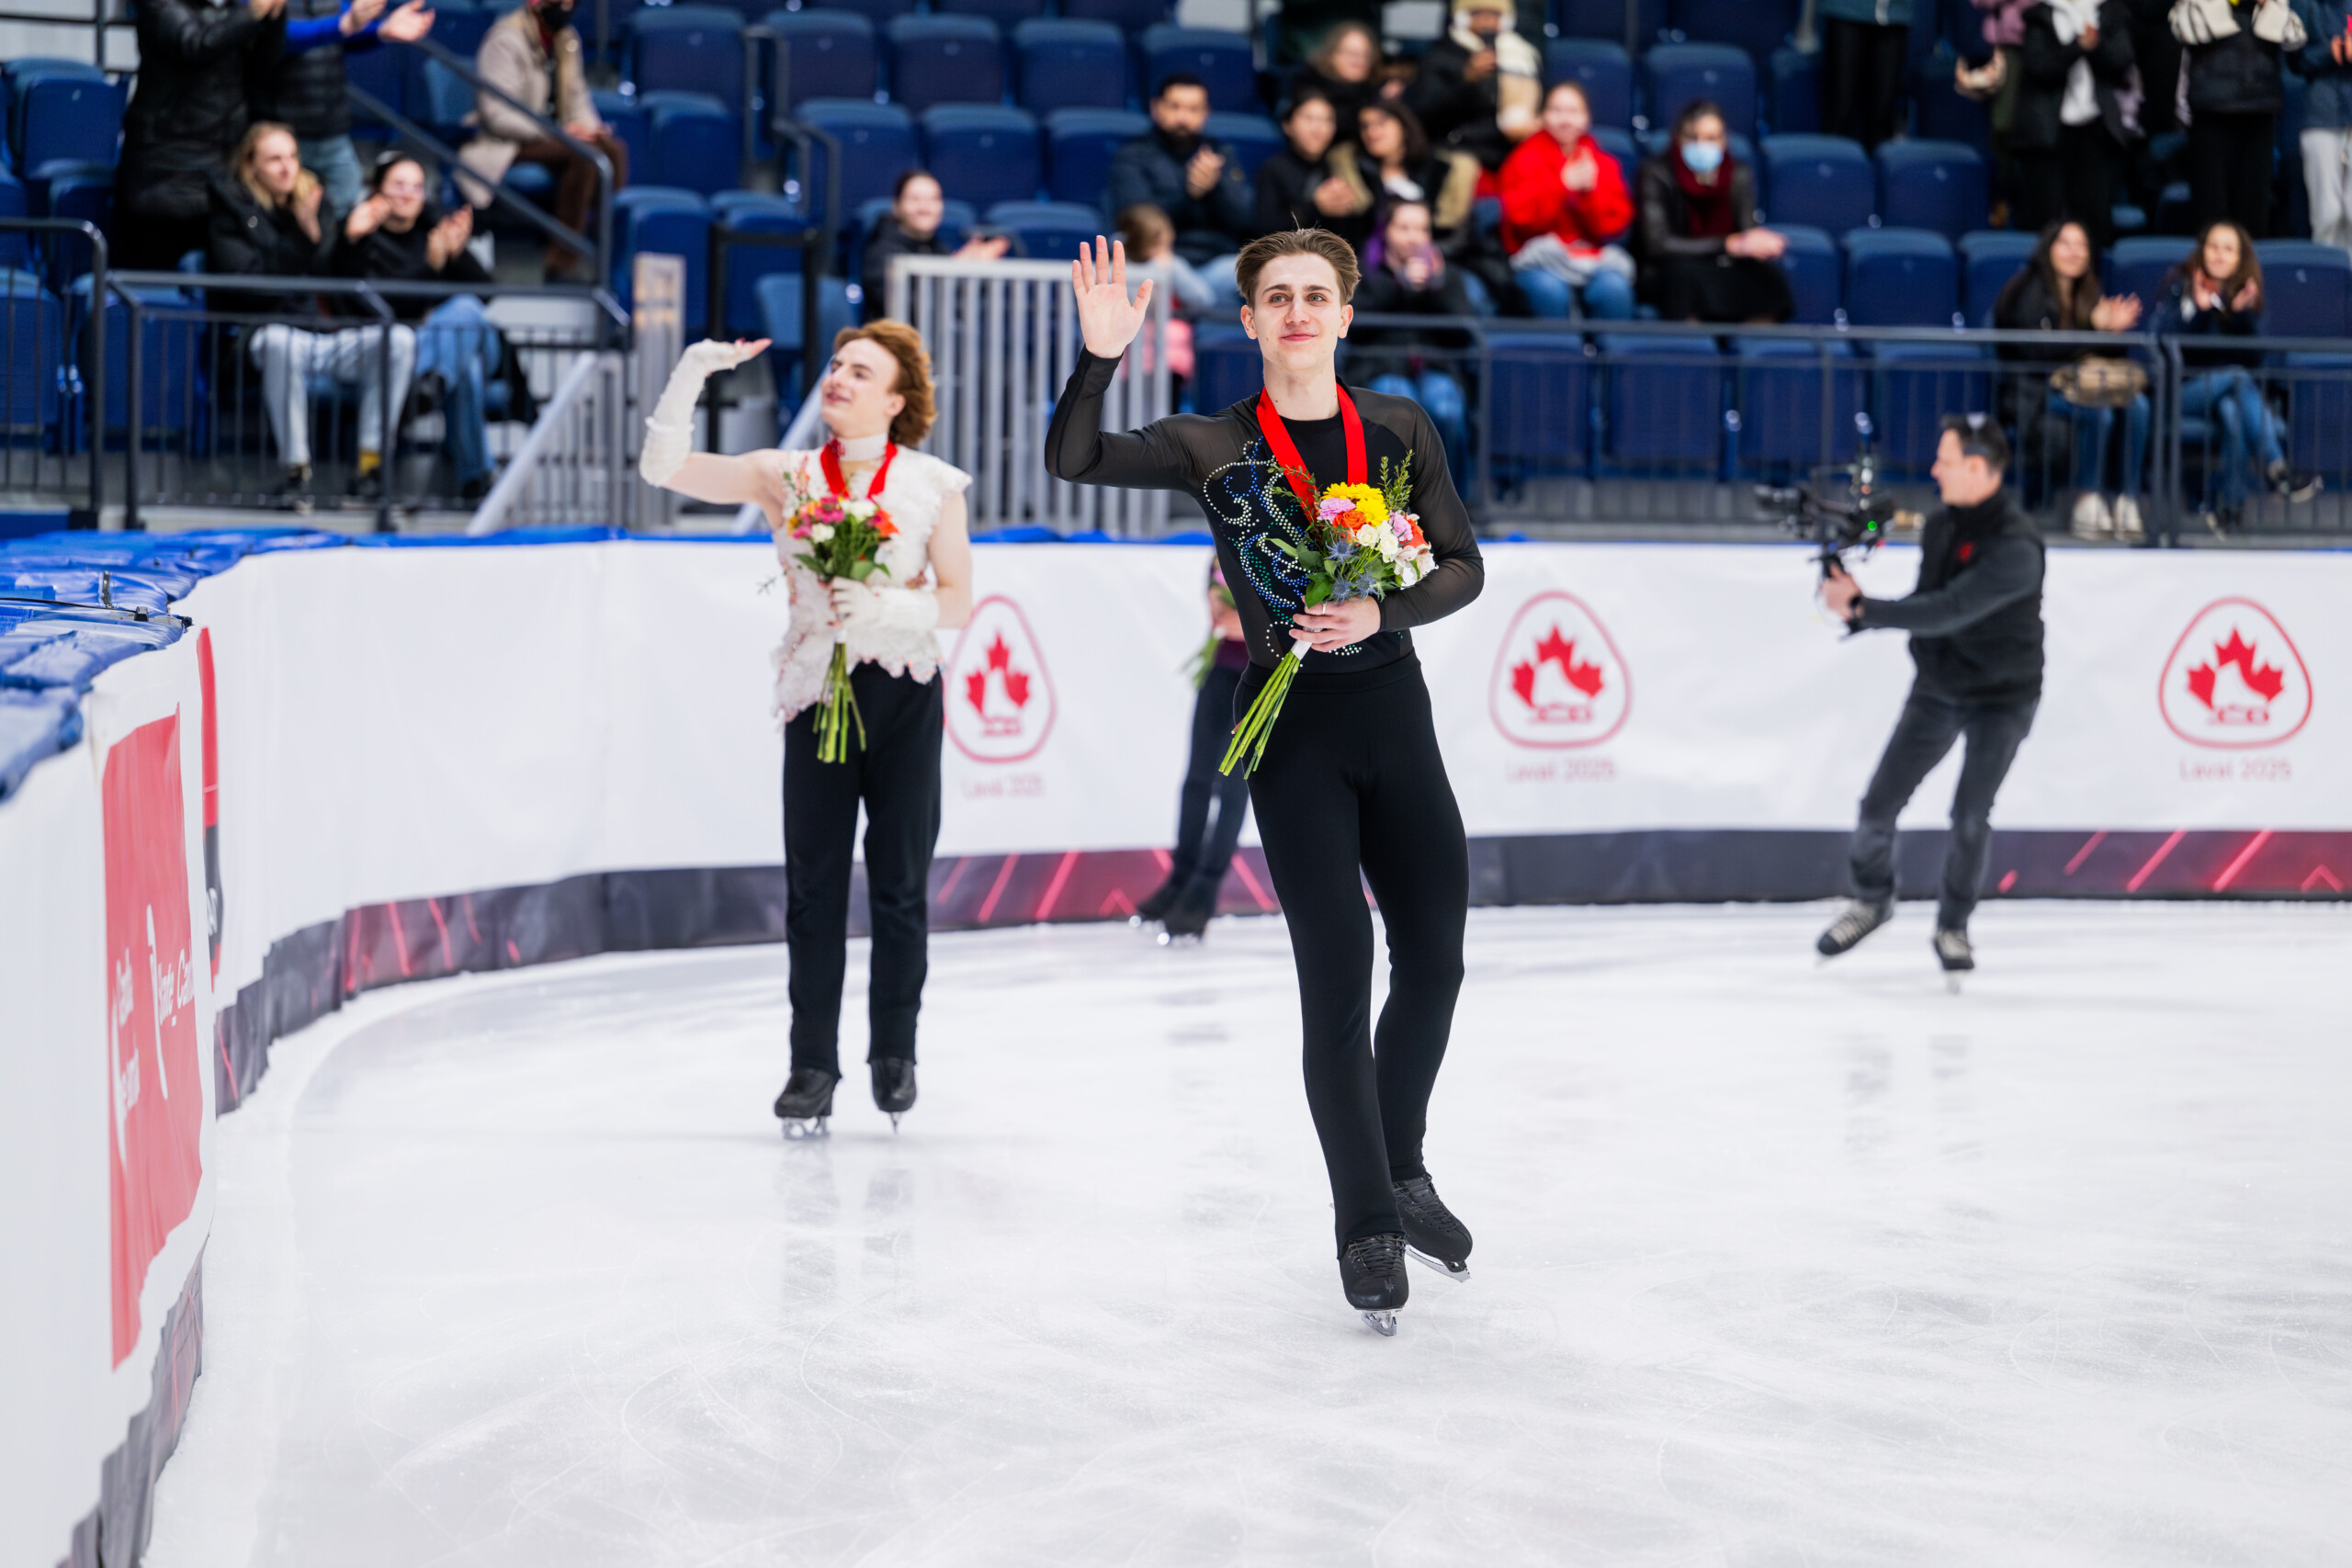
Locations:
(1976, 625)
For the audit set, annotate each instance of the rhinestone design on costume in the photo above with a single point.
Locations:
(1246, 499)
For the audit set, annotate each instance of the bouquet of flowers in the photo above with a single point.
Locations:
(1363, 542)
(843, 535)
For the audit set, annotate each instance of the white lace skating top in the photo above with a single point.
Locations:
(916, 488)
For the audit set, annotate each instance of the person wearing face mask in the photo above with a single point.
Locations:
(2076, 113)
(534, 56)
(911, 229)
(1702, 256)
(1196, 181)
(876, 404)
(1480, 85)
(1564, 207)
(266, 223)
(396, 234)
(1301, 186)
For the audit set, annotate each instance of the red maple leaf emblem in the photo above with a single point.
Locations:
(2265, 680)
(1560, 652)
(999, 660)
(976, 690)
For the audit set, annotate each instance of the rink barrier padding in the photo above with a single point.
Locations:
(114, 1533)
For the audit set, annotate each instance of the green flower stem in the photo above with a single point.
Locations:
(1257, 726)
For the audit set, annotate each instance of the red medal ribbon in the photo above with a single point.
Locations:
(1293, 467)
(831, 456)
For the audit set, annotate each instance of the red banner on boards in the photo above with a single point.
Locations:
(157, 1118)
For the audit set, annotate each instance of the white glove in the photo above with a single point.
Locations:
(2277, 23)
(668, 433)
(885, 610)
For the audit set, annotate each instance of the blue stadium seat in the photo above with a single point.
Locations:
(1049, 230)
(1918, 384)
(459, 28)
(32, 323)
(697, 142)
(2138, 266)
(1945, 116)
(944, 60)
(59, 118)
(983, 153)
(1824, 181)
(881, 12)
(1127, 15)
(1622, 146)
(384, 73)
(877, 144)
(1674, 73)
(86, 192)
(15, 202)
(754, 212)
(2319, 419)
(1760, 27)
(828, 54)
(1665, 404)
(13, 72)
(1606, 18)
(167, 355)
(1900, 277)
(663, 220)
(1227, 366)
(1079, 144)
(1003, 13)
(1253, 137)
(1988, 259)
(1070, 65)
(1779, 404)
(688, 49)
(1539, 401)
(1931, 185)
(780, 320)
(1796, 92)
(2308, 287)
(1222, 60)
(438, 98)
(1603, 69)
(1813, 266)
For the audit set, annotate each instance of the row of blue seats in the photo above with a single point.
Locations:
(58, 112)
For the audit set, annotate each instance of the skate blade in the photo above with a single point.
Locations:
(1382, 1322)
(894, 1120)
(1173, 938)
(1953, 979)
(801, 1129)
(1457, 1272)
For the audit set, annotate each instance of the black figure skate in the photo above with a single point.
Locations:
(894, 1086)
(1372, 1273)
(1953, 952)
(1188, 919)
(806, 1103)
(1847, 930)
(1432, 1235)
(1155, 908)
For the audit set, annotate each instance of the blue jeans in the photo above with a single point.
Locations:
(336, 162)
(458, 340)
(1608, 295)
(2248, 428)
(1441, 398)
(2092, 428)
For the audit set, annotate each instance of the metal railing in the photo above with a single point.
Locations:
(41, 376)
(574, 464)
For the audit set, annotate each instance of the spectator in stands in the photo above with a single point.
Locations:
(2326, 59)
(1564, 207)
(1413, 279)
(1865, 44)
(1478, 85)
(183, 120)
(2231, 62)
(1394, 161)
(533, 56)
(2077, 111)
(911, 229)
(1150, 239)
(1196, 181)
(1301, 186)
(2215, 295)
(2157, 54)
(396, 234)
(266, 223)
(1702, 256)
(2058, 290)
(1345, 68)
(307, 90)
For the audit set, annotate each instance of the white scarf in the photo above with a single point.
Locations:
(2070, 19)
(1514, 56)
(863, 448)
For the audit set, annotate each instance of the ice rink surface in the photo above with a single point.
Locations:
(1777, 1264)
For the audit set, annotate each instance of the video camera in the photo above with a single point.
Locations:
(1857, 521)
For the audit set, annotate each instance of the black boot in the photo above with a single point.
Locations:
(1158, 905)
(894, 1086)
(1192, 914)
(1372, 1271)
(807, 1102)
(1431, 1232)
(1859, 920)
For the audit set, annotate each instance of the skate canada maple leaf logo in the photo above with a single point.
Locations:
(1559, 680)
(999, 696)
(2234, 680)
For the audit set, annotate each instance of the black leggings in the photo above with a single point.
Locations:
(896, 773)
(1922, 736)
(1204, 853)
(1352, 779)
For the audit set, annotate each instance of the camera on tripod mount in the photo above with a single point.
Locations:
(1854, 516)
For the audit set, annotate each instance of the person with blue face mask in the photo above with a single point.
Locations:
(1703, 258)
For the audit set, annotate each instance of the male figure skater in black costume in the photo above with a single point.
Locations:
(1351, 783)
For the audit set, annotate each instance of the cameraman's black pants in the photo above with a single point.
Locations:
(1926, 731)
(896, 774)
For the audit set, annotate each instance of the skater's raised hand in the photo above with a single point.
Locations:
(1107, 319)
(710, 356)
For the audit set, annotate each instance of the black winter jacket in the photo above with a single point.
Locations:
(401, 258)
(1374, 352)
(1286, 187)
(1145, 170)
(198, 67)
(2047, 63)
(306, 90)
(1456, 111)
(1975, 616)
(2238, 75)
(263, 241)
(1660, 228)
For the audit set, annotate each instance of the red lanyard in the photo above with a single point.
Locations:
(831, 456)
(1293, 467)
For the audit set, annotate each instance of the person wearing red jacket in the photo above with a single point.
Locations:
(1564, 205)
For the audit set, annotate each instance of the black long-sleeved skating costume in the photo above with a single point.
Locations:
(1352, 781)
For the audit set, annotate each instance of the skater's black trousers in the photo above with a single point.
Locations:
(896, 774)
(1930, 724)
(1352, 780)
(1203, 852)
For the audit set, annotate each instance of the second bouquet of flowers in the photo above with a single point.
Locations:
(843, 534)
